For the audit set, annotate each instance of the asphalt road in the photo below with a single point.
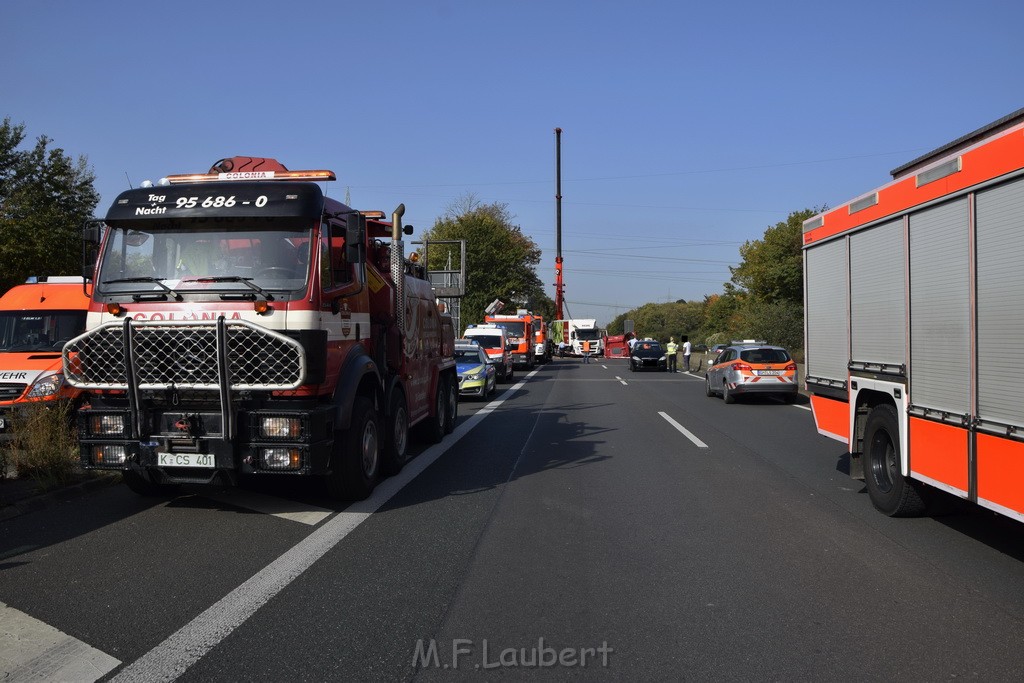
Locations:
(594, 524)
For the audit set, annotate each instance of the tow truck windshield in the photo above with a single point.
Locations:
(177, 260)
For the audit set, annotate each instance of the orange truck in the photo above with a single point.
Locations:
(36, 319)
(522, 329)
(245, 325)
(913, 326)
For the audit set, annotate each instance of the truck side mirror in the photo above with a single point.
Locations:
(355, 238)
(92, 233)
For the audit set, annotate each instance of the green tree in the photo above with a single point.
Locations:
(771, 269)
(45, 196)
(501, 262)
(661, 321)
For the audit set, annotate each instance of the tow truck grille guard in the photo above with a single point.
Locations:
(219, 357)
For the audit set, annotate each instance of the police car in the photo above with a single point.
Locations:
(477, 376)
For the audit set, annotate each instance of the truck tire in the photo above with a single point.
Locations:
(396, 435)
(453, 404)
(891, 493)
(431, 430)
(355, 461)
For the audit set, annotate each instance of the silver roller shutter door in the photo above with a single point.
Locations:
(1000, 273)
(827, 337)
(939, 308)
(878, 295)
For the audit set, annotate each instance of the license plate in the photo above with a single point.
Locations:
(770, 373)
(186, 460)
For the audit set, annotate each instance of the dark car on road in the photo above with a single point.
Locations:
(647, 354)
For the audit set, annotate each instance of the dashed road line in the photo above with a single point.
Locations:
(684, 431)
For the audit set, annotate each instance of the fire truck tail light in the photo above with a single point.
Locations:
(109, 455)
(280, 458)
(280, 427)
(107, 425)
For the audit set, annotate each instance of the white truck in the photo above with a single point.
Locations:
(913, 326)
(581, 330)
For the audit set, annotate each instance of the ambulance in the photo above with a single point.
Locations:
(36, 319)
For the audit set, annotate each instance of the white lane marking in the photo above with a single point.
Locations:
(684, 431)
(807, 408)
(621, 380)
(31, 650)
(270, 505)
(604, 366)
(191, 642)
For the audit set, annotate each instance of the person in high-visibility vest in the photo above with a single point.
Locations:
(586, 350)
(672, 349)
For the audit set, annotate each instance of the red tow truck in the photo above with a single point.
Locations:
(243, 324)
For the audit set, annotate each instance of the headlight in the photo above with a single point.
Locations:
(280, 427)
(110, 424)
(280, 458)
(47, 386)
(636, 358)
(109, 455)
(476, 376)
(662, 358)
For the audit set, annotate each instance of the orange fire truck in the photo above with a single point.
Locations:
(36, 319)
(522, 329)
(243, 324)
(913, 325)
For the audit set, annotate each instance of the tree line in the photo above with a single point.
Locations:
(45, 197)
(763, 299)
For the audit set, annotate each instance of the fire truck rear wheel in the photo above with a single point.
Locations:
(355, 462)
(396, 436)
(453, 404)
(891, 493)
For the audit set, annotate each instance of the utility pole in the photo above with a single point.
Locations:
(558, 226)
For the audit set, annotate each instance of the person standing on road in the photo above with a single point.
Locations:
(586, 350)
(673, 350)
(561, 348)
(686, 352)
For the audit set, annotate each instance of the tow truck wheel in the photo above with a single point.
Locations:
(890, 492)
(453, 404)
(355, 461)
(432, 429)
(396, 436)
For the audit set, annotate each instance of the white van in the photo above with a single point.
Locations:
(493, 339)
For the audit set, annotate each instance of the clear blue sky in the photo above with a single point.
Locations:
(688, 128)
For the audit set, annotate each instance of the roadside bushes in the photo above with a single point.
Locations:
(43, 445)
